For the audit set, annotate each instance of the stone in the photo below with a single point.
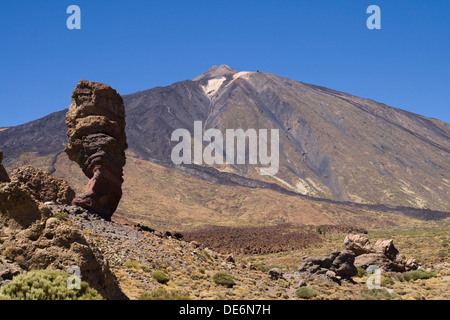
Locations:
(3, 174)
(178, 235)
(411, 264)
(275, 273)
(230, 258)
(250, 266)
(379, 260)
(387, 248)
(167, 234)
(383, 254)
(358, 244)
(334, 268)
(97, 143)
(196, 244)
(43, 186)
(344, 266)
(18, 209)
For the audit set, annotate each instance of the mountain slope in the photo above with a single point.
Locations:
(332, 145)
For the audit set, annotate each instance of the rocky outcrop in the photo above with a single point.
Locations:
(18, 209)
(275, 273)
(336, 267)
(97, 143)
(32, 238)
(3, 174)
(382, 254)
(43, 186)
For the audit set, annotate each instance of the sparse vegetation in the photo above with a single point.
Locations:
(361, 272)
(421, 274)
(401, 276)
(386, 281)
(160, 276)
(10, 253)
(164, 294)
(61, 215)
(306, 292)
(377, 294)
(46, 285)
(136, 266)
(224, 279)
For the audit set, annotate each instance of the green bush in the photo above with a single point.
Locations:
(386, 281)
(46, 285)
(163, 294)
(421, 274)
(224, 279)
(306, 292)
(401, 276)
(202, 270)
(136, 266)
(61, 215)
(377, 294)
(160, 276)
(361, 272)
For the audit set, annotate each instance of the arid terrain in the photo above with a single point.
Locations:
(348, 166)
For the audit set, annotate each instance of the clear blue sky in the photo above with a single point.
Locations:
(136, 45)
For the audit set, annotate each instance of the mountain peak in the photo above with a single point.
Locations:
(216, 71)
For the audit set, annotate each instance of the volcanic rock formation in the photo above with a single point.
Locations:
(336, 267)
(3, 174)
(382, 254)
(97, 143)
(31, 238)
(43, 186)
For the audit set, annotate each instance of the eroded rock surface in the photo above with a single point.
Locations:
(31, 237)
(336, 267)
(97, 143)
(43, 186)
(382, 254)
(3, 174)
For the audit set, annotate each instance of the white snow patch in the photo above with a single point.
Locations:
(245, 74)
(213, 86)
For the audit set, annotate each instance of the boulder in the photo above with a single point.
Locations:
(344, 265)
(18, 209)
(230, 258)
(383, 254)
(358, 244)
(411, 264)
(43, 186)
(195, 244)
(334, 268)
(97, 143)
(178, 235)
(380, 260)
(275, 274)
(387, 248)
(3, 174)
(250, 266)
